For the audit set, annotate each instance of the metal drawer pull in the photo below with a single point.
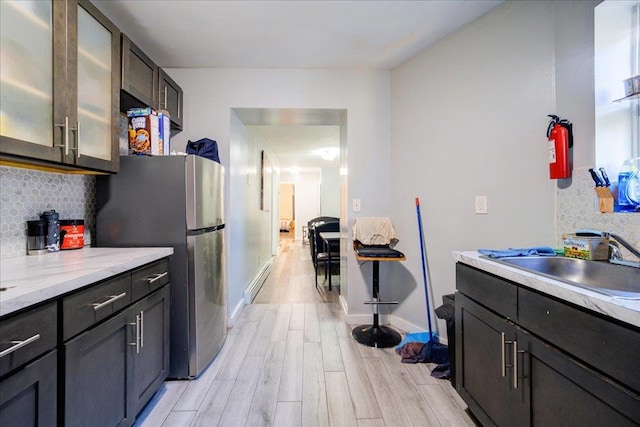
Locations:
(155, 277)
(137, 343)
(142, 329)
(112, 298)
(77, 130)
(65, 141)
(19, 344)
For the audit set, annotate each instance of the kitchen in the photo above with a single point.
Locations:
(408, 125)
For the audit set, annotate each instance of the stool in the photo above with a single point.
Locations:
(376, 335)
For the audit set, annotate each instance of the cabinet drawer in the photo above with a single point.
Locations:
(26, 336)
(84, 308)
(495, 293)
(149, 278)
(607, 346)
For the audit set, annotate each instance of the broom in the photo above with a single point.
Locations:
(422, 337)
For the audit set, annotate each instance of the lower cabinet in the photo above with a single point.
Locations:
(510, 377)
(151, 359)
(485, 370)
(28, 396)
(98, 373)
(113, 370)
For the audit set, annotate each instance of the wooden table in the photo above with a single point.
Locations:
(376, 335)
(330, 238)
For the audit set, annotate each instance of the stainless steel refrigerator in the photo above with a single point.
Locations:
(174, 201)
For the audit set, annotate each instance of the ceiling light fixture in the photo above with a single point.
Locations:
(328, 154)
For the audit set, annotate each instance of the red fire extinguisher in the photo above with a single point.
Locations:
(560, 135)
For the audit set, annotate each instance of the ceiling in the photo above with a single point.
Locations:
(329, 34)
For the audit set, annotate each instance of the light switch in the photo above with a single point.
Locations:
(356, 205)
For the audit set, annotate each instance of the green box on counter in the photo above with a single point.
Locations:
(590, 248)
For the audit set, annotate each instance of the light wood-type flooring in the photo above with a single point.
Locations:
(290, 360)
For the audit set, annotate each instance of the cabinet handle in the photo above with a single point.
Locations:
(503, 344)
(515, 365)
(19, 344)
(137, 343)
(112, 298)
(65, 128)
(179, 104)
(165, 98)
(155, 277)
(77, 131)
(141, 328)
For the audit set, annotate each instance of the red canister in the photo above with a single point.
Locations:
(71, 233)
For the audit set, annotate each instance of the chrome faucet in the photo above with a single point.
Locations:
(616, 255)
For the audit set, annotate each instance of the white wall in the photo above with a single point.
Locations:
(209, 96)
(330, 192)
(469, 118)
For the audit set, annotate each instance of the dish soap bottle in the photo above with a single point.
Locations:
(624, 204)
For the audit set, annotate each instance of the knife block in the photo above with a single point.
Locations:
(605, 199)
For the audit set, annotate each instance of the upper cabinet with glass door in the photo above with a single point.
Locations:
(59, 80)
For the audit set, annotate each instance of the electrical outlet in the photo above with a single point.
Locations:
(356, 205)
(481, 205)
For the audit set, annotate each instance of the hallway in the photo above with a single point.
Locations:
(290, 361)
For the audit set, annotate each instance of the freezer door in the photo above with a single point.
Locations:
(208, 314)
(204, 186)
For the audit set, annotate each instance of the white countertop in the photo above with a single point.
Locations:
(33, 279)
(625, 310)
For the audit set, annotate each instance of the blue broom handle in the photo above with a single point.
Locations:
(424, 267)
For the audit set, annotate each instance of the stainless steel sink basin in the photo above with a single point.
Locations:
(599, 276)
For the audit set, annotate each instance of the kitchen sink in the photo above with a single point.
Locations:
(599, 276)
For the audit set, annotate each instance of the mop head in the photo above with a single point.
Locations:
(422, 337)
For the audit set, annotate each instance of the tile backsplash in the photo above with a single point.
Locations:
(25, 194)
(576, 208)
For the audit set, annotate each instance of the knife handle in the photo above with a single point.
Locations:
(596, 178)
(605, 177)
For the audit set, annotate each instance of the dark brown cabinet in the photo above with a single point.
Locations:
(28, 362)
(93, 357)
(28, 397)
(65, 114)
(151, 358)
(171, 99)
(534, 360)
(113, 368)
(144, 84)
(140, 77)
(98, 375)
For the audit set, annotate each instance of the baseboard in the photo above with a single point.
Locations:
(252, 290)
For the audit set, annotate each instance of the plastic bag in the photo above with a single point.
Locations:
(204, 147)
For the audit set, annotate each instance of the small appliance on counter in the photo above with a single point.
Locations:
(71, 234)
(52, 220)
(36, 237)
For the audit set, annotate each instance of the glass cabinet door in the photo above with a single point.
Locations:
(27, 74)
(96, 112)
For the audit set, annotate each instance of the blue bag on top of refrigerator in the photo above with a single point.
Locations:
(204, 147)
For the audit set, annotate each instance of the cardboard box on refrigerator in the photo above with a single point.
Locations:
(144, 134)
(164, 125)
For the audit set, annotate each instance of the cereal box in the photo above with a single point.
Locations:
(144, 132)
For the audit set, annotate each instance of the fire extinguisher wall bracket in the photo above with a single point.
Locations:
(560, 136)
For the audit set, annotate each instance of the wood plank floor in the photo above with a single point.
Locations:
(290, 361)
